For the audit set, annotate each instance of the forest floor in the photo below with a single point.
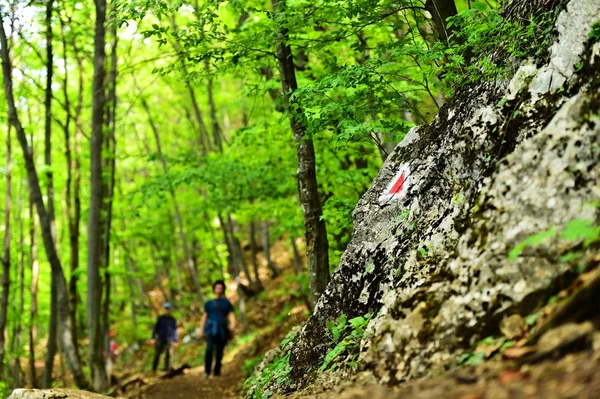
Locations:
(194, 385)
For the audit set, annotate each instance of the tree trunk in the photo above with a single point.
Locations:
(440, 11)
(214, 122)
(72, 185)
(51, 346)
(48, 117)
(237, 250)
(204, 138)
(253, 250)
(58, 277)
(230, 260)
(297, 262)
(21, 309)
(6, 251)
(267, 250)
(111, 145)
(184, 240)
(34, 302)
(316, 233)
(94, 291)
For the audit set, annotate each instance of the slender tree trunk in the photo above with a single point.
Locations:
(53, 328)
(34, 302)
(440, 11)
(95, 243)
(316, 233)
(230, 259)
(132, 301)
(184, 239)
(267, 250)
(297, 262)
(21, 310)
(204, 138)
(253, 250)
(111, 145)
(48, 117)
(214, 122)
(72, 185)
(237, 250)
(51, 346)
(58, 277)
(6, 251)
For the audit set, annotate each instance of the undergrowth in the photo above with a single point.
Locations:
(469, 58)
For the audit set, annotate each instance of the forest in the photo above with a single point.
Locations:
(153, 147)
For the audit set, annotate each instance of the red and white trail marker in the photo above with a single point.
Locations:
(398, 186)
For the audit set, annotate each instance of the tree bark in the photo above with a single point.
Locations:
(21, 309)
(297, 263)
(48, 117)
(230, 259)
(111, 145)
(253, 250)
(267, 250)
(6, 251)
(73, 183)
(316, 232)
(237, 250)
(94, 291)
(51, 346)
(34, 301)
(214, 122)
(440, 11)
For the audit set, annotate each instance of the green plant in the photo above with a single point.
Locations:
(584, 230)
(486, 348)
(481, 28)
(4, 390)
(368, 269)
(250, 365)
(347, 335)
(277, 371)
(594, 34)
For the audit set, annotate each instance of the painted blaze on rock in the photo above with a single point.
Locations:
(398, 186)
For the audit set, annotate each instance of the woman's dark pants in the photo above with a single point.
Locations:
(214, 344)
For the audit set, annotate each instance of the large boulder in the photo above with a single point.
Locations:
(430, 251)
(54, 394)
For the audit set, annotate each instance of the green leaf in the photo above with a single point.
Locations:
(479, 6)
(532, 318)
(532, 241)
(332, 355)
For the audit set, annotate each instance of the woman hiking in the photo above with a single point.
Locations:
(218, 323)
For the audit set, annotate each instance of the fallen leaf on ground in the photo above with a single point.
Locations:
(510, 376)
(515, 353)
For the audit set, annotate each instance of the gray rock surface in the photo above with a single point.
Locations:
(432, 262)
(54, 394)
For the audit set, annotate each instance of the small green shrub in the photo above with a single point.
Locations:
(278, 370)
(479, 29)
(347, 335)
(257, 387)
(594, 34)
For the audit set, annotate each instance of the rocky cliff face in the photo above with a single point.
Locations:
(430, 251)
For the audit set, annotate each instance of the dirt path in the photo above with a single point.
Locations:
(192, 385)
